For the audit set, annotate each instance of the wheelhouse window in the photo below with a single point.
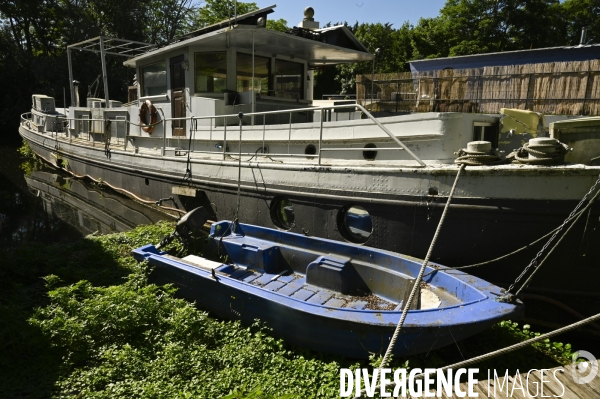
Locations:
(486, 132)
(262, 72)
(211, 72)
(289, 79)
(154, 79)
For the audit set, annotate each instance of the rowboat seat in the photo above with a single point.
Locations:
(336, 273)
(255, 254)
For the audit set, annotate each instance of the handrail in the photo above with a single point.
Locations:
(194, 119)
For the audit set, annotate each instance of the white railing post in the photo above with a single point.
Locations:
(224, 137)
(321, 137)
(264, 128)
(290, 133)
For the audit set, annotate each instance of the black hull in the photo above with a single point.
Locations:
(475, 230)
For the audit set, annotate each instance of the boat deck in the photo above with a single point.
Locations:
(294, 286)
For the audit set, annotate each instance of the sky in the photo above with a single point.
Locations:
(371, 11)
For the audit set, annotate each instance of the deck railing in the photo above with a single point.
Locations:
(254, 116)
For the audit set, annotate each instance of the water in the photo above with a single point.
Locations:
(46, 205)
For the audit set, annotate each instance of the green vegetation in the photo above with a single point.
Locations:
(79, 319)
(561, 352)
(31, 161)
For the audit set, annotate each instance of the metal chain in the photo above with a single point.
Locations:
(107, 137)
(506, 255)
(506, 296)
(579, 214)
(188, 164)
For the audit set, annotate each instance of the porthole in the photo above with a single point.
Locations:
(282, 213)
(310, 150)
(263, 150)
(370, 155)
(147, 181)
(354, 223)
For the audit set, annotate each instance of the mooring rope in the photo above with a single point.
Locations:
(521, 155)
(478, 158)
(502, 351)
(420, 275)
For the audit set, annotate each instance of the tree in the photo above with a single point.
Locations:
(218, 10)
(580, 14)
(278, 25)
(168, 19)
(481, 26)
(395, 51)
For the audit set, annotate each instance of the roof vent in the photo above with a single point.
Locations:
(583, 35)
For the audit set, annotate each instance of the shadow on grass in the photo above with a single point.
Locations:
(29, 365)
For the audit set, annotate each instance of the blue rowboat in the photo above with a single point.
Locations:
(327, 295)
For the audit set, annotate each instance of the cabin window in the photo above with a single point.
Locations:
(211, 72)
(262, 71)
(154, 79)
(485, 132)
(289, 79)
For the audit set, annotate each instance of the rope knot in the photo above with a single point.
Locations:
(540, 151)
(478, 153)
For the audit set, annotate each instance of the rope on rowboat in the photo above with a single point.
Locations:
(415, 287)
(502, 351)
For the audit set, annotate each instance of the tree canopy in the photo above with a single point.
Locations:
(466, 27)
(215, 11)
(34, 35)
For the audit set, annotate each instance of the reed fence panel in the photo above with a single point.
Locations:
(566, 88)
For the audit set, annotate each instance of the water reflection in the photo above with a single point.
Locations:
(49, 206)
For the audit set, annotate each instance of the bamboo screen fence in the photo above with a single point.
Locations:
(564, 88)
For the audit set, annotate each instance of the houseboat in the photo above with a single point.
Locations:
(224, 118)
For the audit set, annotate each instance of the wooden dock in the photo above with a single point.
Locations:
(558, 382)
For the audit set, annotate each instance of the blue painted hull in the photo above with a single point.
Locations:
(236, 292)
